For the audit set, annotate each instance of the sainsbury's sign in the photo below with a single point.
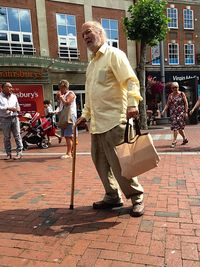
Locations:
(21, 74)
(30, 97)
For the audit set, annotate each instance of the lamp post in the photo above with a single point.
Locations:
(162, 72)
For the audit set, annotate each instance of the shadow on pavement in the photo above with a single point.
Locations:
(178, 148)
(59, 221)
(27, 158)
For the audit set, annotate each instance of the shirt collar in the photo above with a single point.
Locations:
(101, 51)
(7, 96)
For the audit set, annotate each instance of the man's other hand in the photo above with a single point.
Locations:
(132, 112)
(79, 120)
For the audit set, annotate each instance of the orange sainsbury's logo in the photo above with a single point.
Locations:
(21, 74)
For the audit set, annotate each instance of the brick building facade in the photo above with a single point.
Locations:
(51, 48)
(41, 42)
(181, 46)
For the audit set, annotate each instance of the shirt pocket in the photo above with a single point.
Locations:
(102, 76)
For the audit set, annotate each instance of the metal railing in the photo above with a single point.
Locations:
(68, 53)
(16, 48)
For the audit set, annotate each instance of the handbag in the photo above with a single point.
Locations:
(138, 155)
(64, 117)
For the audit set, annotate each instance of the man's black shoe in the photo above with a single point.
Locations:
(102, 205)
(137, 210)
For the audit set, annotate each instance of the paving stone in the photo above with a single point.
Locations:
(157, 180)
(146, 226)
(18, 195)
(36, 199)
(167, 214)
(43, 182)
(181, 182)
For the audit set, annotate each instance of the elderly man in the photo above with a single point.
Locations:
(9, 108)
(112, 96)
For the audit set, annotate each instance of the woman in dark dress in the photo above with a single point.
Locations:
(178, 108)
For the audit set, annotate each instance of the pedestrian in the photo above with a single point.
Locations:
(9, 109)
(50, 113)
(197, 105)
(112, 96)
(68, 98)
(177, 105)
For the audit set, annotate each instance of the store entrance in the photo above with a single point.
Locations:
(190, 88)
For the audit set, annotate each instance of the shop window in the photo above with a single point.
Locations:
(173, 51)
(188, 19)
(189, 54)
(67, 37)
(15, 31)
(172, 14)
(111, 28)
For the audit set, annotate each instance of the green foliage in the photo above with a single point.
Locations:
(147, 21)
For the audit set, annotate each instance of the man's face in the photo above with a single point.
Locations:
(7, 89)
(92, 37)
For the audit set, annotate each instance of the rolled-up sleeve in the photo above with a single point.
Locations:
(133, 93)
(126, 77)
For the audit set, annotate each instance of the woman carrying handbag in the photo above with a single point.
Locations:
(177, 105)
(67, 115)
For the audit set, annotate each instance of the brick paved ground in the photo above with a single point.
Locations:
(37, 228)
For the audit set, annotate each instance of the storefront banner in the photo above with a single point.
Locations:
(175, 76)
(30, 98)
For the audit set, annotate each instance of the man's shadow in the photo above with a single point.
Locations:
(59, 221)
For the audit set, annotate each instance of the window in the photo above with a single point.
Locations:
(155, 54)
(188, 19)
(67, 36)
(172, 13)
(189, 54)
(173, 51)
(15, 31)
(3, 19)
(111, 28)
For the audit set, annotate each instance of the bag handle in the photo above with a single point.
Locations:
(137, 129)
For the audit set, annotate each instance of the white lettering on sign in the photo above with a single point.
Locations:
(27, 95)
(183, 78)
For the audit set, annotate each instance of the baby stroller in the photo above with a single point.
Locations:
(35, 129)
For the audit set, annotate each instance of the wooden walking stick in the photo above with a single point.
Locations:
(73, 167)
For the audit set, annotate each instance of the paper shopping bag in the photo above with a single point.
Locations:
(138, 155)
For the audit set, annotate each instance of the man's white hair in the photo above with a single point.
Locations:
(97, 26)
